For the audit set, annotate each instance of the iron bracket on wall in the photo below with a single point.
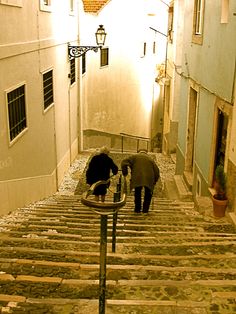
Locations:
(78, 51)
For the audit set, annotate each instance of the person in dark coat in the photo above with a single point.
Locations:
(99, 168)
(144, 174)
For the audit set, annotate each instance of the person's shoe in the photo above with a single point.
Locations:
(145, 212)
(137, 211)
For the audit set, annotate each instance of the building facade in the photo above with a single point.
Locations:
(119, 92)
(206, 135)
(52, 106)
(38, 97)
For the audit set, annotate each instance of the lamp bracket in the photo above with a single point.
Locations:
(78, 51)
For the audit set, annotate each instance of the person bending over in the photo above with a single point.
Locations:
(144, 174)
(99, 168)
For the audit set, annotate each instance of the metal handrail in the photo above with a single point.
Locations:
(106, 208)
(137, 138)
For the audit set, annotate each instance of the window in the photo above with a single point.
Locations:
(72, 71)
(48, 88)
(144, 49)
(14, 3)
(224, 11)
(72, 6)
(104, 57)
(154, 48)
(16, 111)
(45, 5)
(198, 21)
(170, 23)
(83, 63)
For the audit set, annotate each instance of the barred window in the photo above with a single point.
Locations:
(104, 57)
(48, 88)
(16, 111)
(72, 71)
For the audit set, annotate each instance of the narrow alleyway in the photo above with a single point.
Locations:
(173, 261)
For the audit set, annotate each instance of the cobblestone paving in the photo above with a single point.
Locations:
(173, 261)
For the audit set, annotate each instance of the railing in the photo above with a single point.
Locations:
(105, 209)
(137, 138)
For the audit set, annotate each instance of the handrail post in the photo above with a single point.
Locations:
(103, 255)
(116, 198)
(104, 209)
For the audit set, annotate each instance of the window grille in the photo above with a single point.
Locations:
(72, 71)
(48, 88)
(16, 111)
(104, 57)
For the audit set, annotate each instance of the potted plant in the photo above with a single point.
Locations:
(220, 199)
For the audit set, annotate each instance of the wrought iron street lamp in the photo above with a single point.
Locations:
(78, 51)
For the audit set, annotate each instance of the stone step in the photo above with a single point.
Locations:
(56, 287)
(151, 248)
(172, 260)
(171, 189)
(114, 272)
(86, 306)
(152, 218)
(159, 237)
(86, 257)
(121, 230)
(183, 192)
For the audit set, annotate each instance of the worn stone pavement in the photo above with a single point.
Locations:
(172, 261)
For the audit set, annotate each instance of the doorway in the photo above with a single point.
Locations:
(190, 144)
(221, 138)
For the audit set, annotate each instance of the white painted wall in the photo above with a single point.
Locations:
(118, 98)
(31, 42)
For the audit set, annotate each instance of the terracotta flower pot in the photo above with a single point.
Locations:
(219, 207)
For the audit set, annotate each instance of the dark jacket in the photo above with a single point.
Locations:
(99, 168)
(144, 171)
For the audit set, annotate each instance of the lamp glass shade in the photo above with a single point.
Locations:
(100, 36)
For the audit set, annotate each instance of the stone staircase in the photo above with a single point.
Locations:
(173, 260)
